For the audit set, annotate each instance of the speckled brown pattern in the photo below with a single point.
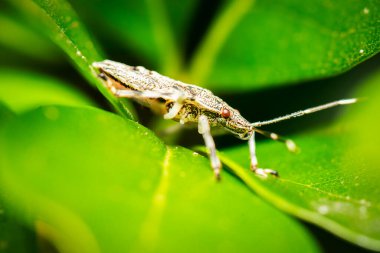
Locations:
(197, 101)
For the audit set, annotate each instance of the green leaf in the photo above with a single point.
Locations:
(333, 182)
(95, 182)
(60, 22)
(14, 237)
(23, 41)
(275, 42)
(22, 90)
(159, 28)
(5, 114)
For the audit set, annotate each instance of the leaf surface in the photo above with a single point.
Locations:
(59, 21)
(94, 182)
(23, 41)
(154, 30)
(280, 42)
(14, 236)
(22, 90)
(333, 182)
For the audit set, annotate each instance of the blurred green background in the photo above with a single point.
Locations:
(82, 171)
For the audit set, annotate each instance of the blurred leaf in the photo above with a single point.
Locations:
(97, 183)
(277, 42)
(14, 237)
(59, 21)
(5, 114)
(23, 40)
(334, 181)
(21, 91)
(153, 28)
(180, 15)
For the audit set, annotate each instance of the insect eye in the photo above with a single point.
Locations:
(225, 113)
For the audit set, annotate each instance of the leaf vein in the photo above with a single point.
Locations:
(149, 231)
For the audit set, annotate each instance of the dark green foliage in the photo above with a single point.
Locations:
(87, 180)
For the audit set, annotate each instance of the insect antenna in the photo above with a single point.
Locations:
(289, 143)
(307, 111)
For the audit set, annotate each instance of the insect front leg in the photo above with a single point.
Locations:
(254, 162)
(204, 130)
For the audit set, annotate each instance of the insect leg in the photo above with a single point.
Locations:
(173, 111)
(204, 130)
(178, 103)
(289, 143)
(140, 94)
(254, 163)
(252, 151)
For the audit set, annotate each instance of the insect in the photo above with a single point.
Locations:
(188, 103)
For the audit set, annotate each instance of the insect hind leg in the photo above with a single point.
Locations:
(178, 99)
